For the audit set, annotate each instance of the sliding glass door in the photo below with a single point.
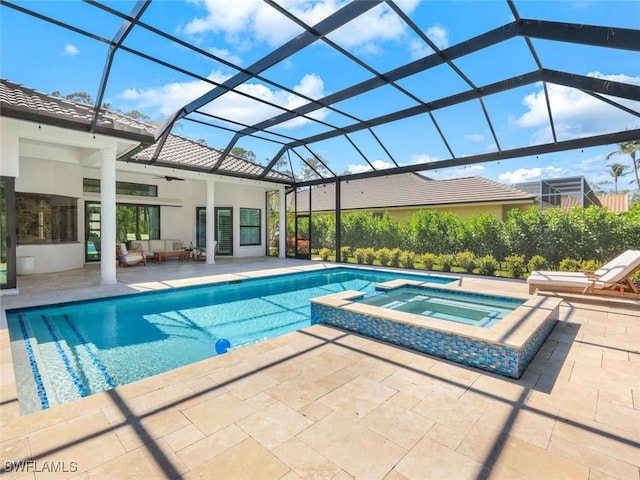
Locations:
(7, 233)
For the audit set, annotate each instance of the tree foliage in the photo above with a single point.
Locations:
(629, 148)
(243, 153)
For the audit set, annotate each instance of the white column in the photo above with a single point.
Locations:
(282, 242)
(210, 221)
(108, 216)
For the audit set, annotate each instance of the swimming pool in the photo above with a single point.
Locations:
(478, 310)
(64, 352)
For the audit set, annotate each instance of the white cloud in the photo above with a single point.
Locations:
(475, 137)
(377, 164)
(226, 55)
(417, 158)
(439, 36)
(257, 20)
(530, 174)
(575, 113)
(457, 172)
(171, 97)
(70, 50)
(419, 49)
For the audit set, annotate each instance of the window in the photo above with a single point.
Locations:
(122, 188)
(133, 222)
(45, 219)
(249, 226)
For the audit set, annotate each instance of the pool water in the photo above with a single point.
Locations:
(478, 310)
(63, 352)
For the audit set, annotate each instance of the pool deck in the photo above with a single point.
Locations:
(323, 403)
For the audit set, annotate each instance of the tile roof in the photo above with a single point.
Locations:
(24, 103)
(183, 152)
(615, 202)
(410, 189)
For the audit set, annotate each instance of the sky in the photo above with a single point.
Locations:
(49, 58)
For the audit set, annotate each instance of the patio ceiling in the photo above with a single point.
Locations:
(437, 83)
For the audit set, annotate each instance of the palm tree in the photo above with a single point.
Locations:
(617, 170)
(629, 148)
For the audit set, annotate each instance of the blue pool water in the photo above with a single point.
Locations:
(471, 309)
(70, 351)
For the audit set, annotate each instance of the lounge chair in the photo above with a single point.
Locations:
(616, 280)
(126, 258)
(595, 274)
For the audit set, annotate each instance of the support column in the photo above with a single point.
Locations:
(282, 225)
(210, 222)
(108, 216)
(338, 213)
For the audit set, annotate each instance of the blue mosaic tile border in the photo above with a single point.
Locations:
(42, 393)
(496, 358)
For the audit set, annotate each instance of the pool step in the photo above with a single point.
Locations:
(67, 372)
(59, 385)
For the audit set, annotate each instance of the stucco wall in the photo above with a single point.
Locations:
(464, 211)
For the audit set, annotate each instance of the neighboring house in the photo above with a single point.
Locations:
(58, 173)
(569, 192)
(407, 193)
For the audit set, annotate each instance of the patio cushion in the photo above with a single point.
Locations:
(139, 245)
(156, 246)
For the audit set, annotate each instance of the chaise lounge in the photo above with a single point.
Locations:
(613, 278)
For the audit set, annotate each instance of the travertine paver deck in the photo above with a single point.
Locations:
(323, 403)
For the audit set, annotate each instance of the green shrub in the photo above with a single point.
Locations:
(515, 265)
(590, 265)
(466, 260)
(407, 259)
(445, 261)
(324, 253)
(487, 265)
(395, 257)
(537, 262)
(369, 255)
(345, 253)
(429, 260)
(569, 265)
(359, 255)
(384, 256)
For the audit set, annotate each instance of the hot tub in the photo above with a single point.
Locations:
(503, 343)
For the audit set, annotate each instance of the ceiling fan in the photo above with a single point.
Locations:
(169, 178)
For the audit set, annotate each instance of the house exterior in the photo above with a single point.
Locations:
(73, 185)
(404, 194)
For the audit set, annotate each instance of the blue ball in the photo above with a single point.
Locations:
(222, 344)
